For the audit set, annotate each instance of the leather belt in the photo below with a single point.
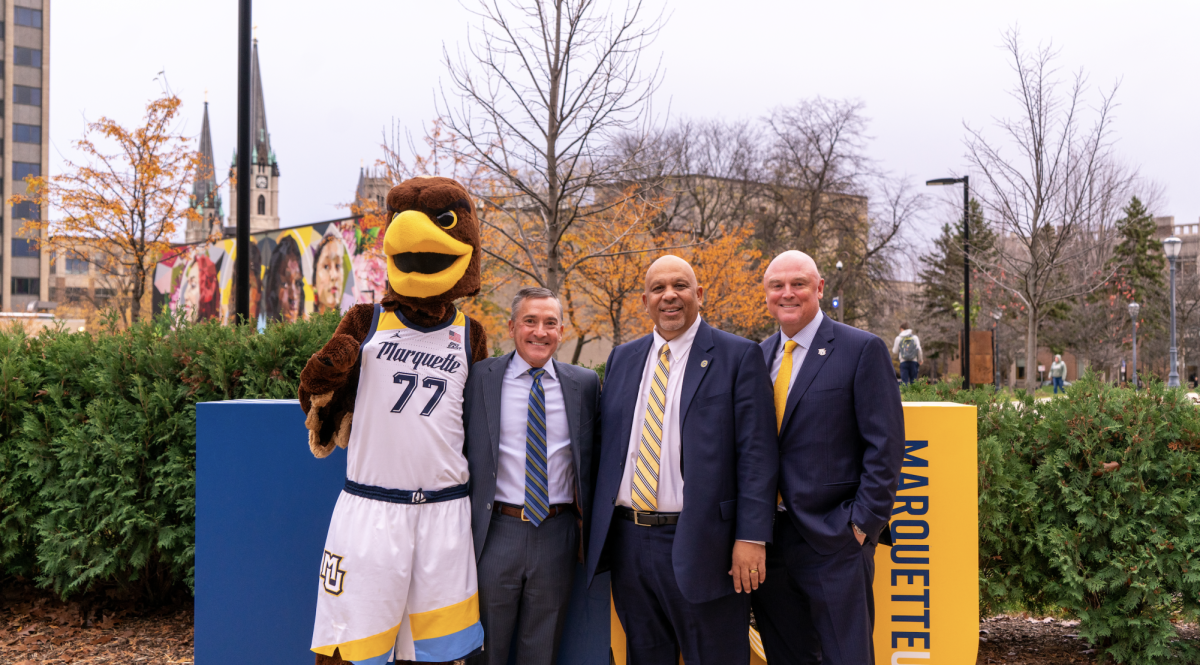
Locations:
(519, 511)
(647, 519)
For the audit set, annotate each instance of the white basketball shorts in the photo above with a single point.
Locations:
(398, 583)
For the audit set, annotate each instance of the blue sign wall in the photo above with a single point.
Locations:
(263, 504)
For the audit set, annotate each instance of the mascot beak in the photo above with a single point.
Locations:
(423, 260)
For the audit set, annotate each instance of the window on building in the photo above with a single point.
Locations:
(21, 170)
(23, 94)
(75, 264)
(26, 286)
(24, 247)
(30, 57)
(30, 18)
(75, 293)
(26, 209)
(262, 204)
(27, 133)
(104, 295)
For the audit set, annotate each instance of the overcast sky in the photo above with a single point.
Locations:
(335, 75)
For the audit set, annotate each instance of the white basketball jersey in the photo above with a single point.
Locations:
(407, 432)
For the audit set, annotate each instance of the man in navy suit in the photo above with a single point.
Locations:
(841, 442)
(686, 488)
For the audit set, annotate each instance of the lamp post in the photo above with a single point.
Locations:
(1133, 313)
(840, 303)
(966, 346)
(242, 256)
(996, 346)
(1171, 247)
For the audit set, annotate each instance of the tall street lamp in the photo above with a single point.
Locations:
(966, 348)
(1171, 247)
(241, 259)
(1133, 312)
(842, 304)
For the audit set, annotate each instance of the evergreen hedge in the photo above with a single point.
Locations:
(97, 476)
(98, 444)
(1088, 507)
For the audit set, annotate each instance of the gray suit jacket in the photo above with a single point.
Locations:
(481, 416)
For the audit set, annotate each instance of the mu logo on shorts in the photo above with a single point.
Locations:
(332, 574)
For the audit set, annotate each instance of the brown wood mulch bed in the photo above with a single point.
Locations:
(1025, 640)
(36, 627)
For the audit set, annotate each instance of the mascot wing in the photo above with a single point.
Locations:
(330, 380)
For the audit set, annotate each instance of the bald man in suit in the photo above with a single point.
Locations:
(841, 443)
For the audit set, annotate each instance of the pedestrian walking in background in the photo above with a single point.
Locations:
(907, 348)
(1058, 372)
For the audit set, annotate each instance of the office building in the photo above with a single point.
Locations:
(24, 147)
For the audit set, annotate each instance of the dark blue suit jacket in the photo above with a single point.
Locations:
(842, 438)
(729, 459)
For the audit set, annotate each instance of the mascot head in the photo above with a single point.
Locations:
(432, 243)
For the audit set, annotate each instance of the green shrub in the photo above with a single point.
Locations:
(98, 444)
(1059, 530)
(1121, 540)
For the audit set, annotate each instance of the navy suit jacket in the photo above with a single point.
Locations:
(842, 439)
(728, 455)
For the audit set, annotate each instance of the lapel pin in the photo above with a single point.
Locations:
(704, 363)
(820, 352)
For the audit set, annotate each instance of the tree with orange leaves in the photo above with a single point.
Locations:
(123, 204)
(611, 283)
(730, 270)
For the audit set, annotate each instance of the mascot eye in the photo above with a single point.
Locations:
(447, 220)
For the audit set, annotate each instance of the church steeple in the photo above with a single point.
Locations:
(206, 177)
(264, 169)
(206, 198)
(261, 138)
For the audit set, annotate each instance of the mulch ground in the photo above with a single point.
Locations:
(1025, 640)
(36, 627)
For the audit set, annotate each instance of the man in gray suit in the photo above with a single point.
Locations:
(529, 422)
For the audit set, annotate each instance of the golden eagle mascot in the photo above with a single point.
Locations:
(398, 573)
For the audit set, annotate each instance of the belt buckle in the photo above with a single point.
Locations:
(635, 518)
(523, 517)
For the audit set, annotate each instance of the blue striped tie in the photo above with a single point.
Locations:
(537, 498)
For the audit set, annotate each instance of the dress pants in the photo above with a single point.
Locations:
(838, 586)
(781, 611)
(525, 577)
(659, 622)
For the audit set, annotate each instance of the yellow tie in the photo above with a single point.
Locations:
(781, 382)
(645, 472)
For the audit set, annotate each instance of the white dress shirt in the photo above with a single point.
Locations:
(670, 478)
(514, 416)
(803, 340)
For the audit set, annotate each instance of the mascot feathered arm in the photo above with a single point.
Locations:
(330, 380)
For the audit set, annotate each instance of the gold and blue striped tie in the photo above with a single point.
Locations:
(645, 473)
(537, 497)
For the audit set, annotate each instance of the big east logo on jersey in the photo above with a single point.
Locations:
(455, 340)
